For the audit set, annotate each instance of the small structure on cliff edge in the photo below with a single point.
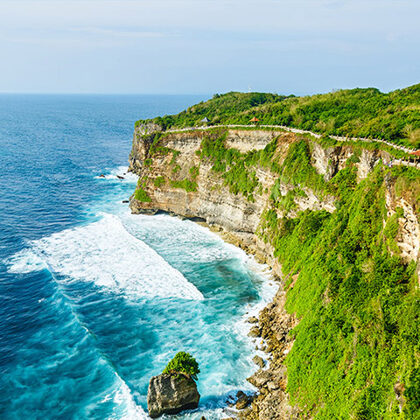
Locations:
(416, 155)
(205, 120)
(254, 120)
(175, 389)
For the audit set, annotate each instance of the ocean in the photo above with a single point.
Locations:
(95, 301)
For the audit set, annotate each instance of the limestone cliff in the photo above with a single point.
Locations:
(211, 201)
(251, 184)
(163, 169)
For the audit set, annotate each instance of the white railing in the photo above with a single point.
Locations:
(316, 135)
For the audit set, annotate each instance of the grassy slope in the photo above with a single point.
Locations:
(394, 116)
(357, 300)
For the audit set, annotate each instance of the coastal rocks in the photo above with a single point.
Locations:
(310, 201)
(252, 320)
(408, 235)
(237, 218)
(328, 161)
(254, 332)
(367, 161)
(272, 401)
(408, 239)
(148, 128)
(212, 200)
(171, 394)
(245, 141)
(242, 401)
(259, 361)
(239, 221)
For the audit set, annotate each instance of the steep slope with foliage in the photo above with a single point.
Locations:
(358, 340)
(344, 226)
(368, 113)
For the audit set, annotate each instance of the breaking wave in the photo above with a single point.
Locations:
(104, 253)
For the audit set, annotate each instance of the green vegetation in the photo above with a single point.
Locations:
(413, 393)
(369, 113)
(175, 154)
(176, 169)
(236, 169)
(183, 363)
(217, 109)
(159, 181)
(194, 172)
(297, 168)
(186, 184)
(357, 300)
(156, 147)
(141, 195)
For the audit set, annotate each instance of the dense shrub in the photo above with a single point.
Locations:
(141, 195)
(183, 363)
(393, 116)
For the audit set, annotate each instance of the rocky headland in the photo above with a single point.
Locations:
(273, 194)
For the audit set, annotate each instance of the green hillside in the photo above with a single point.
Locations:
(393, 116)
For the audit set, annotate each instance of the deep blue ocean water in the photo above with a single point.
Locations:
(93, 300)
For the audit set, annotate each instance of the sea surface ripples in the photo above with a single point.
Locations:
(94, 300)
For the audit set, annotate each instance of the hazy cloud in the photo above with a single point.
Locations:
(207, 45)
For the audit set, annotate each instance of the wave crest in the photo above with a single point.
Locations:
(104, 253)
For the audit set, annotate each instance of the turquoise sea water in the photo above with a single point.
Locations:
(93, 300)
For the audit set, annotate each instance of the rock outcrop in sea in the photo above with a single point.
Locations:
(171, 394)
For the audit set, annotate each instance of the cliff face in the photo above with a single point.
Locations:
(260, 188)
(212, 201)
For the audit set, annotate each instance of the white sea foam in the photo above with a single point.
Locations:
(132, 410)
(103, 252)
(120, 171)
(198, 243)
(26, 261)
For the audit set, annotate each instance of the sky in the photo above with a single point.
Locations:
(208, 46)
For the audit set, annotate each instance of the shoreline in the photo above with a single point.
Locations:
(268, 335)
(260, 346)
(270, 380)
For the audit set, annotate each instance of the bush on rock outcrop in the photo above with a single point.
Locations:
(175, 389)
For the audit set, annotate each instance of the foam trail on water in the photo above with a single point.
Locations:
(199, 244)
(104, 253)
(124, 397)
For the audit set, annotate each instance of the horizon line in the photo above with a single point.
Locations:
(296, 93)
(102, 93)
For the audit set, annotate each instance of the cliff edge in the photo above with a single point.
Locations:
(339, 225)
